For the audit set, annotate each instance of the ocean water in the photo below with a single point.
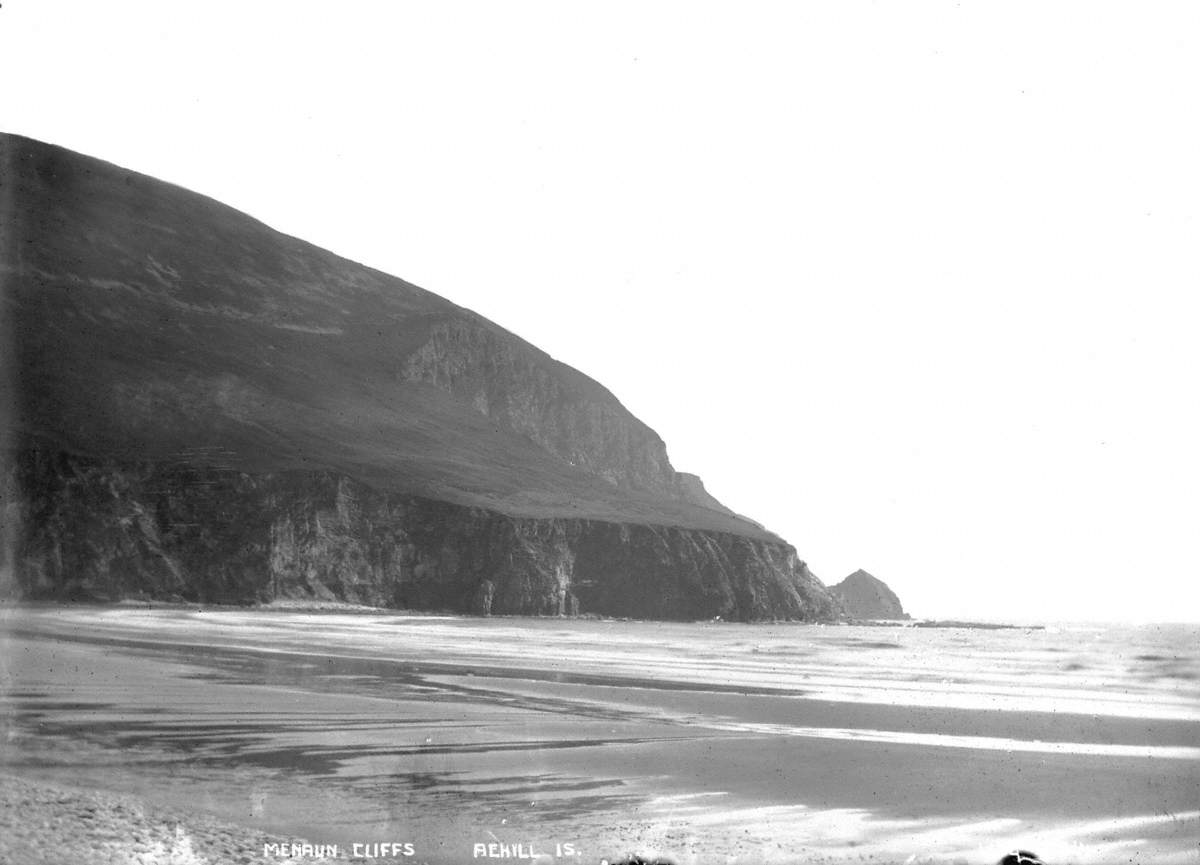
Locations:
(698, 741)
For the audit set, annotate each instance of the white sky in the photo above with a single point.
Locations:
(913, 284)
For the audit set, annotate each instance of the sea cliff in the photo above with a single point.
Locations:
(198, 407)
(101, 530)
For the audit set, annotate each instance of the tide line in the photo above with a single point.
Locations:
(980, 743)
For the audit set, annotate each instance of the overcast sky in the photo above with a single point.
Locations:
(913, 284)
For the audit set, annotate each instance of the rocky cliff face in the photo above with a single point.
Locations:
(197, 406)
(549, 403)
(866, 597)
(100, 530)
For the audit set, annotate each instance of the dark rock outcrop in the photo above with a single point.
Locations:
(866, 597)
(199, 407)
(101, 530)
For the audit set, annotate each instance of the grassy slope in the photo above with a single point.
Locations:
(154, 323)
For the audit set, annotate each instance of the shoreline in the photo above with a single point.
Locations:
(347, 608)
(614, 738)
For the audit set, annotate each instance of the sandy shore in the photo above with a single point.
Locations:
(703, 744)
(45, 823)
(49, 824)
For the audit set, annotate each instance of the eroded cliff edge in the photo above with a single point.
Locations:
(200, 407)
(100, 530)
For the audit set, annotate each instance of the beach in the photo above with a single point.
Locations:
(444, 739)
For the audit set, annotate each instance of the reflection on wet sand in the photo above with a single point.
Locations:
(345, 728)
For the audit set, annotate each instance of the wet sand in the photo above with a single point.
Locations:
(610, 737)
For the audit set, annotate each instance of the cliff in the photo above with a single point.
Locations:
(201, 407)
(866, 597)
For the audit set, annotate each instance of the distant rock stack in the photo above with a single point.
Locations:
(866, 597)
